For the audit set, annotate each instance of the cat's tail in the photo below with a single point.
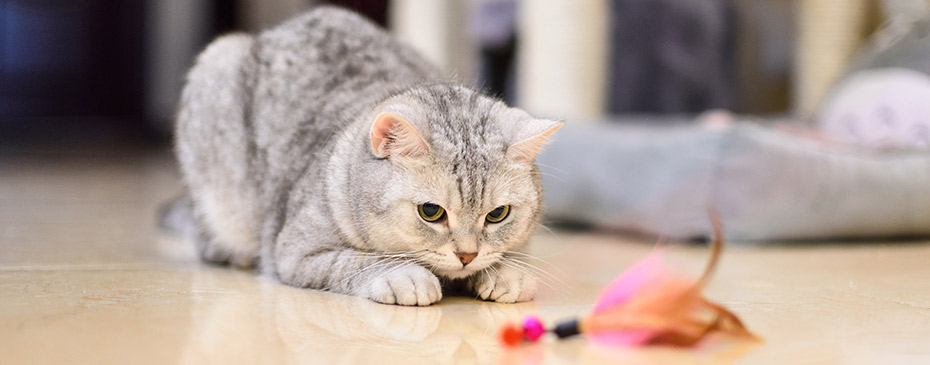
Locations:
(177, 217)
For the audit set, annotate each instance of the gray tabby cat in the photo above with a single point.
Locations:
(338, 159)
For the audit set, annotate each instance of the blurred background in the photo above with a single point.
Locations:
(645, 77)
(91, 68)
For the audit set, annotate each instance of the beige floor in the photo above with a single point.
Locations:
(85, 277)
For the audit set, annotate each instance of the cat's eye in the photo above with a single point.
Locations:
(498, 214)
(431, 212)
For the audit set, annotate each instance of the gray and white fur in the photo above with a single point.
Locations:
(307, 149)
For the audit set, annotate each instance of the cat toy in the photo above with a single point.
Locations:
(646, 305)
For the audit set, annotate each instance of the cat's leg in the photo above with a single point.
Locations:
(504, 283)
(212, 146)
(299, 259)
(346, 271)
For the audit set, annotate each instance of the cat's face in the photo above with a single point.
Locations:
(460, 223)
(459, 185)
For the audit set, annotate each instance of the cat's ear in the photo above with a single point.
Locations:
(391, 135)
(533, 135)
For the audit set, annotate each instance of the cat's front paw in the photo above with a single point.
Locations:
(406, 285)
(505, 285)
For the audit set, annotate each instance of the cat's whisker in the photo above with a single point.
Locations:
(545, 173)
(520, 268)
(483, 272)
(415, 257)
(541, 271)
(531, 273)
(392, 254)
(349, 278)
(537, 269)
(393, 267)
(428, 265)
(496, 272)
(533, 257)
(540, 164)
(533, 268)
(494, 269)
(562, 290)
(559, 178)
(392, 263)
(507, 180)
(543, 226)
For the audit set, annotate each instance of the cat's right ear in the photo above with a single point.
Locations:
(391, 135)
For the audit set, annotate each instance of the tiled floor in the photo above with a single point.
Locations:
(85, 277)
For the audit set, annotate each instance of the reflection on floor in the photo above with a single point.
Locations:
(86, 277)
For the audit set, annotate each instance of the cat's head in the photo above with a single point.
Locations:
(449, 179)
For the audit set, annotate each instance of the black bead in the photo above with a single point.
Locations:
(567, 329)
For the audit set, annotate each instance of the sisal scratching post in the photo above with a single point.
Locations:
(426, 26)
(829, 33)
(562, 58)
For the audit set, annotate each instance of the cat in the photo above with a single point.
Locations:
(333, 157)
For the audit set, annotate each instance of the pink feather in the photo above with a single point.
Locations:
(649, 305)
(620, 291)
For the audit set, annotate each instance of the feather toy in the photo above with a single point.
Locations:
(646, 305)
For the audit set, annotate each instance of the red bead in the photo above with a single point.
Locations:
(511, 335)
(533, 328)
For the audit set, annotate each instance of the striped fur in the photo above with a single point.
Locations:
(273, 139)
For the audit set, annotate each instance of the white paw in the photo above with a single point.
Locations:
(505, 285)
(406, 285)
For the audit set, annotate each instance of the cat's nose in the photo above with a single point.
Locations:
(466, 257)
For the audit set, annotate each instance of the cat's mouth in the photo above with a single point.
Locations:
(459, 273)
(449, 266)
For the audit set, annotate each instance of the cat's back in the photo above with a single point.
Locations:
(313, 75)
(329, 64)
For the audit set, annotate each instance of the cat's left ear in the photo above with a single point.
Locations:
(533, 135)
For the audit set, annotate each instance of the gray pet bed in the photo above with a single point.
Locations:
(765, 183)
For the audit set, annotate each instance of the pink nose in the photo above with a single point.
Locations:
(466, 257)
